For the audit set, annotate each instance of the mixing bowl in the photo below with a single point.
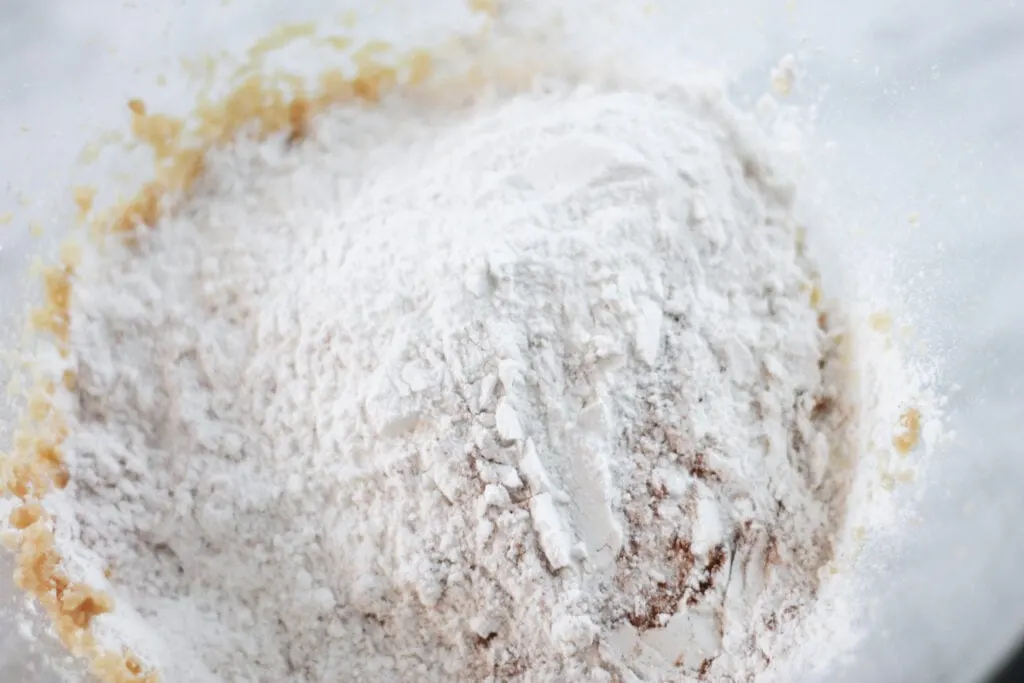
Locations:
(918, 134)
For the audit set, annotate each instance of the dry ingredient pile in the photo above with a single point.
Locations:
(528, 388)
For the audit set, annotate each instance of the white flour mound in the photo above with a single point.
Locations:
(530, 388)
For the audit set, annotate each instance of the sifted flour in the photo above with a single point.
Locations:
(529, 387)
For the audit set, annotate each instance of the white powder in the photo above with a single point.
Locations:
(530, 388)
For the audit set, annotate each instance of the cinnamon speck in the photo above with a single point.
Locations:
(704, 670)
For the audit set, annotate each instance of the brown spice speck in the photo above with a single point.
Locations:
(771, 555)
(823, 406)
(668, 595)
(716, 560)
(699, 468)
(657, 491)
(704, 670)
(485, 641)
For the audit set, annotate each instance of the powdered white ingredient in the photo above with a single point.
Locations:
(528, 388)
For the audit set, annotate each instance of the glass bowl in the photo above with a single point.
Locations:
(918, 133)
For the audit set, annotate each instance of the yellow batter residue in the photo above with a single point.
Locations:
(910, 434)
